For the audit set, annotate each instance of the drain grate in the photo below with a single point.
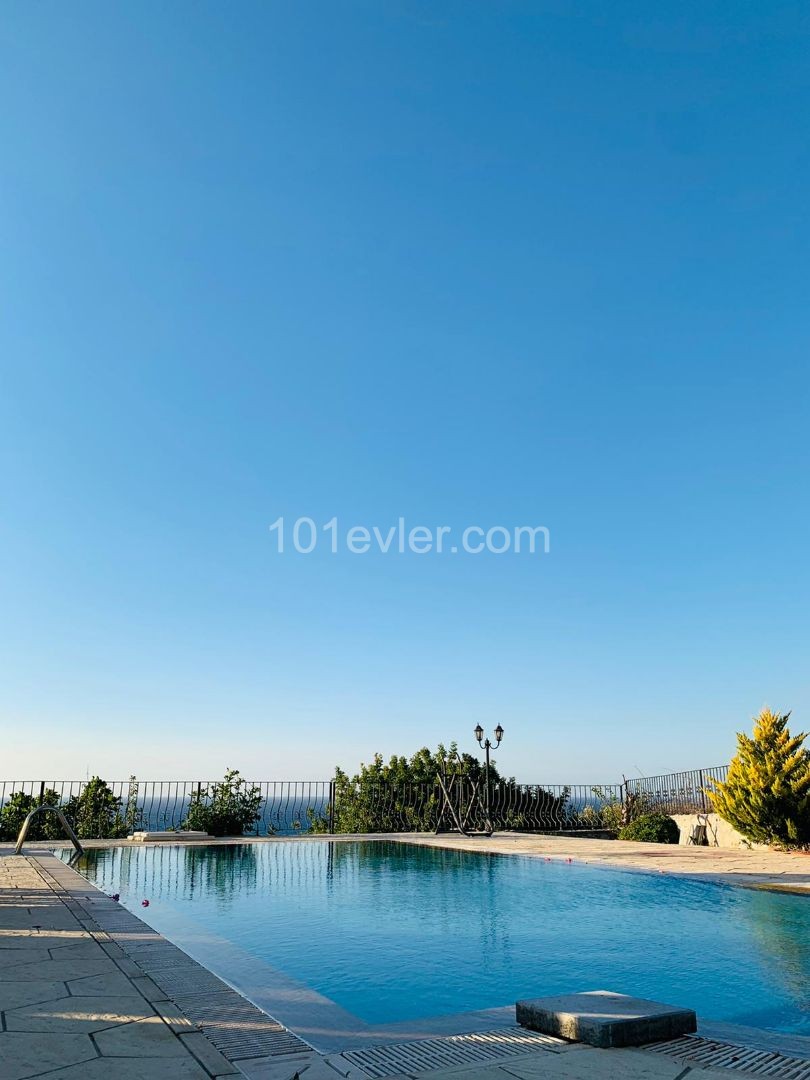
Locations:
(236, 1027)
(428, 1054)
(187, 980)
(718, 1055)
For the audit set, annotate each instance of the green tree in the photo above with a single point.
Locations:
(95, 812)
(17, 808)
(403, 795)
(400, 795)
(225, 809)
(766, 795)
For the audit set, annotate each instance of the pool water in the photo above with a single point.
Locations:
(394, 931)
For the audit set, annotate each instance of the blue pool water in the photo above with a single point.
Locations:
(397, 932)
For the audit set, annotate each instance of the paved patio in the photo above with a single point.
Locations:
(73, 1005)
(783, 871)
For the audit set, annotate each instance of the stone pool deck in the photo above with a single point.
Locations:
(72, 1004)
(77, 998)
(777, 870)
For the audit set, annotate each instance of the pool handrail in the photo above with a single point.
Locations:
(65, 825)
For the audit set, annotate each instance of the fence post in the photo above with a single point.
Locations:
(702, 792)
(41, 792)
(331, 807)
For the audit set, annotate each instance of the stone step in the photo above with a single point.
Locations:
(602, 1018)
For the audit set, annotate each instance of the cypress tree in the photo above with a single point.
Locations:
(766, 795)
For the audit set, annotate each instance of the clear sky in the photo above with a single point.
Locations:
(465, 263)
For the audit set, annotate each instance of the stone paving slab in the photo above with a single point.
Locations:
(15, 957)
(23, 1055)
(77, 1014)
(115, 983)
(16, 995)
(133, 1069)
(147, 1037)
(61, 970)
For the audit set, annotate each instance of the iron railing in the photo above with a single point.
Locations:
(290, 807)
(287, 806)
(388, 807)
(675, 793)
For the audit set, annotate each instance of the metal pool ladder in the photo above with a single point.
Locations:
(26, 825)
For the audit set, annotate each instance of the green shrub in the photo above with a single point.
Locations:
(225, 809)
(19, 806)
(652, 829)
(766, 795)
(96, 812)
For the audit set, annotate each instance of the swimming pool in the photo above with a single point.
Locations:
(393, 932)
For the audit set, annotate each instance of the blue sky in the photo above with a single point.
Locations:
(472, 263)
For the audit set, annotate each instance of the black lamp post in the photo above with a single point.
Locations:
(486, 746)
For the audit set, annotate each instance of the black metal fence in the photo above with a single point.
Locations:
(287, 806)
(675, 793)
(509, 806)
(290, 807)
